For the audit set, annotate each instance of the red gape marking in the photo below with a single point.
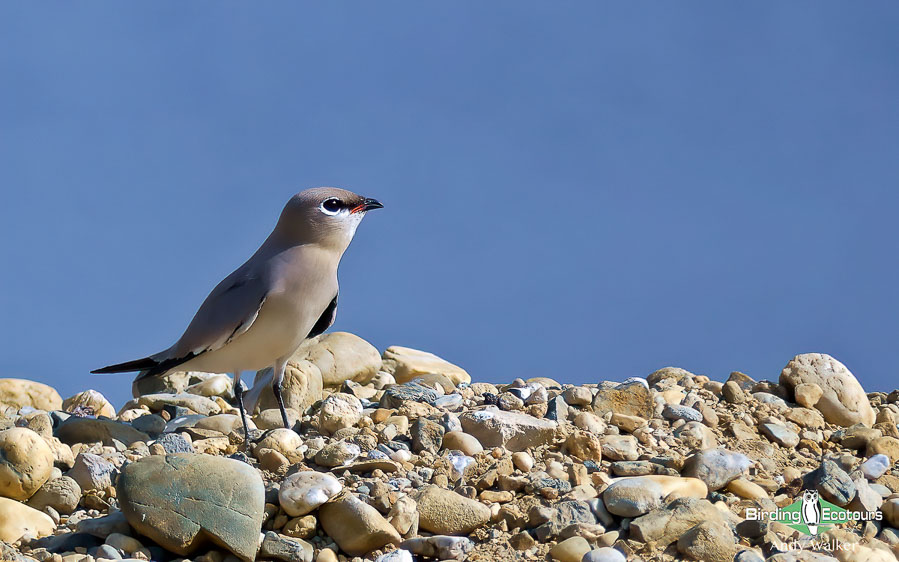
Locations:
(357, 208)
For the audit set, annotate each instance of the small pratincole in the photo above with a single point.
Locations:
(286, 292)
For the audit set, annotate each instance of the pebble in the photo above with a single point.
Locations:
(62, 494)
(445, 512)
(678, 412)
(339, 411)
(605, 554)
(441, 547)
(512, 430)
(305, 491)
(355, 526)
(460, 441)
(26, 462)
(92, 472)
(570, 550)
(632, 497)
(876, 466)
(18, 520)
(716, 467)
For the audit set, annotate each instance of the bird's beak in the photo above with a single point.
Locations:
(367, 205)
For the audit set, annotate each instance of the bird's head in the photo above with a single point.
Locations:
(324, 215)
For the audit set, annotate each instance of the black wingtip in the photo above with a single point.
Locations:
(127, 367)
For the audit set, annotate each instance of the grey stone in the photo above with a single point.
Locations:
(285, 548)
(832, 483)
(780, 434)
(441, 547)
(396, 395)
(716, 467)
(213, 497)
(427, 435)
(677, 412)
(175, 443)
(88, 430)
(102, 527)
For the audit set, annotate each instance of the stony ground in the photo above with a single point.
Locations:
(400, 457)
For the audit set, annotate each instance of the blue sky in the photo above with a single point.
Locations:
(584, 193)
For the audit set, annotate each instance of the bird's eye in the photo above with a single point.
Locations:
(332, 206)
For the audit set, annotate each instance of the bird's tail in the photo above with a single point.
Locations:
(144, 364)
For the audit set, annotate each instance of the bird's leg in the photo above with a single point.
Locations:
(238, 393)
(278, 377)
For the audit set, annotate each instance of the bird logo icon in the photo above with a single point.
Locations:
(811, 510)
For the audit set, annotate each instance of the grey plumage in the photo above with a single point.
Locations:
(287, 291)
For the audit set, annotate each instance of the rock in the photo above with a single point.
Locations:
(271, 419)
(577, 396)
(805, 417)
(666, 524)
(513, 430)
(885, 445)
(632, 497)
(461, 441)
(174, 443)
(832, 483)
(339, 411)
(445, 512)
(732, 393)
(746, 489)
(403, 516)
(604, 554)
(25, 462)
(807, 394)
(92, 472)
(300, 389)
(355, 526)
(398, 555)
(585, 446)
(696, 435)
(632, 399)
(199, 404)
(843, 400)
(677, 412)
(427, 435)
(151, 424)
(89, 403)
(876, 466)
(341, 356)
(405, 364)
(780, 434)
(716, 467)
(441, 547)
(18, 520)
(102, 527)
(619, 447)
(337, 453)
(215, 385)
(281, 440)
(305, 491)
(85, 430)
(675, 374)
(522, 461)
(279, 547)
(570, 550)
(626, 422)
(709, 541)
(399, 394)
(215, 498)
(20, 393)
(225, 423)
(559, 517)
(62, 494)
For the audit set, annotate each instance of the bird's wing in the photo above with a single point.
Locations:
(228, 311)
(325, 320)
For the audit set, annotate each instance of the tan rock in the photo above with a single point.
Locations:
(514, 431)
(584, 445)
(26, 462)
(889, 446)
(632, 399)
(627, 423)
(570, 550)
(341, 356)
(19, 393)
(445, 512)
(285, 441)
(355, 526)
(405, 364)
(746, 489)
(843, 400)
(301, 388)
(18, 520)
(339, 411)
(807, 394)
(89, 402)
(461, 441)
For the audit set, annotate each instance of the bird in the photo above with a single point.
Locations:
(811, 510)
(284, 293)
